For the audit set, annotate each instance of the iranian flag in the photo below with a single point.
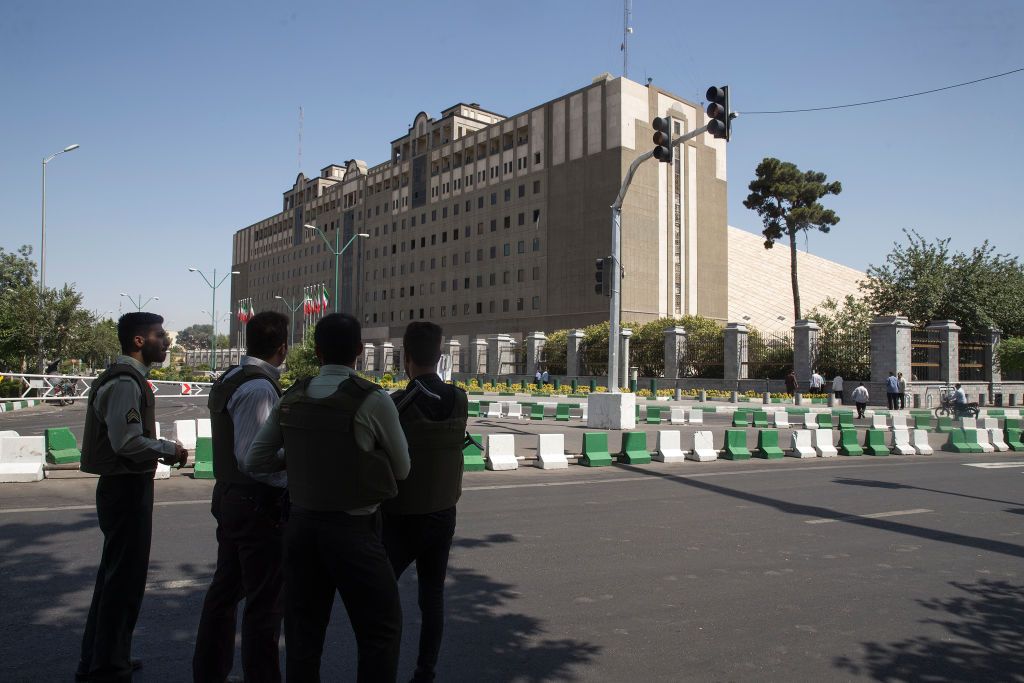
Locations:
(307, 304)
(251, 313)
(239, 312)
(323, 297)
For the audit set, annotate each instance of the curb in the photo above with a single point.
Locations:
(9, 406)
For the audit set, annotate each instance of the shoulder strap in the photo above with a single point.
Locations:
(226, 386)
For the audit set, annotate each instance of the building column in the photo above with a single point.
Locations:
(478, 356)
(624, 358)
(949, 349)
(535, 342)
(890, 347)
(573, 361)
(386, 355)
(805, 349)
(735, 361)
(675, 348)
(498, 348)
(454, 351)
(369, 357)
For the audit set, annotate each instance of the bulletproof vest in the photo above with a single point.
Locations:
(435, 449)
(327, 471)
(225, 466)
(98, 456)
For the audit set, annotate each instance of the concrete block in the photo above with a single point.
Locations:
(696, 416)
(703, 447)
(810, 422)
(203, 427)
(612, 411)
(983, 441)
(990, 423)
(901, 442)
(185, 433)
(879, 422)
(995, 437)
(781, 419)
(515, 410)
(501, 452)
(677, 416)
(801, 444)
(162, 471)
(919, 440)
(668, 449)
(551, 451)
(22, 458)
(968, 423)
(8, 432)
(824, 443)
(899, 422)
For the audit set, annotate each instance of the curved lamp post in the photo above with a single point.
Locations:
(213, 284)
(337, 251)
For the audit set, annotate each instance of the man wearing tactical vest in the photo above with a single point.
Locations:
(343, 451)
(249, 509)
(120, 445)
(420, 522)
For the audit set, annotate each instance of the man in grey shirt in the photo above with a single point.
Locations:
(343, 450)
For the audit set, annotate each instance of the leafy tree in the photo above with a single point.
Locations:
(195, 337)
(835, 318)
(1011, 355)
(301, 362)
(647, 347)
(554, 355)
(786, 199)
(924, 280)
(17, 269)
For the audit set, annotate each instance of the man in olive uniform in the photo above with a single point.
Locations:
(343, 450)
(120, 445)
(420, 522)
(249, 509)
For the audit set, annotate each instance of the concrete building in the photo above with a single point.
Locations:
(487, 223)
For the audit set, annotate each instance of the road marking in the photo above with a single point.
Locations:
(178, 584)
(875, 515)
(993, 465)
(69, 508)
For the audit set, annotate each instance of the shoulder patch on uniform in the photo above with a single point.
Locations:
(133, 417)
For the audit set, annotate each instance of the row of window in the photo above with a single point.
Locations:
(492, 280)
(453, 310)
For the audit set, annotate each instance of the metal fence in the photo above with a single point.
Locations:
(846, 354)
(769, 356)
(704, 357)
(974, 355)
(926, 355)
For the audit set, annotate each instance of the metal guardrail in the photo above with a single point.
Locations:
(76, 387)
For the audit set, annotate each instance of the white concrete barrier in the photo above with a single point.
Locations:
(824, 443)
(8, 432)
(982, 437)
(810, 422)
(781, 419)
(879, 422)
(494, 409)
(551, 452)
(677, 416)
(668, 449)
(899, 422)
(703, 447)
(968, 423)
(919, 440)
(696, 416)
(501, 452)
(203, 427)
(21, 458)
(185, 433)
(1012, 412)
(515, 410)
(801, 445)
(901, 442)
(989, 423)
(995, 437)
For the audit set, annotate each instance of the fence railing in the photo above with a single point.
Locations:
(846, 354)
(704, 357)
(926, 355)
(974, 358)
(769, 356)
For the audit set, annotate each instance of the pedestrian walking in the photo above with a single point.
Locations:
(817, 382)
(837, 387)
(892, 391)
(537, 377)
(903, 390)
(860, 399)
(120, 445)
(791, 383)
(344, 449)
(420, 522)
(545, 377)
(250, 511)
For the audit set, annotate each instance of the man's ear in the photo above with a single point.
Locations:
(319, 354)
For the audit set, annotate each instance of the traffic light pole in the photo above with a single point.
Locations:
(616, 274)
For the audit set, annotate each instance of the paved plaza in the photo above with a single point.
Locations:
(899, 568)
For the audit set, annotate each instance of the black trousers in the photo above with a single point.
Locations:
(894, 401)
(903, 400)
(860, 409)
(124, 506)
(335, 551)
(427, 540)
(250, 550)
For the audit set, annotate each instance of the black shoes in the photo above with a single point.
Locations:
(82, 675)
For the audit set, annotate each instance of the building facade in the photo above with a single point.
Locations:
(485, 223)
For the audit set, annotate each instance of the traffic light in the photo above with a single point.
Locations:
(663, 139)
(718, 111)
(603, 276)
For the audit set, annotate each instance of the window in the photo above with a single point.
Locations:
(480, 202)
(536, 244)
(494, 225)
(506, 277)
(494, 198)
(494, 251)
(519, 303)
(444, 236)
(433, 215)
(536, 157)
(507, 249)
(520, 275)
(536, 216)
(492, 280)
(479, 307)
(536, 272)
(522, 190)
(508, 194)
(536, 186)
(465, 283)
(521, 247)
(504, 305)
(479, 281)
(522, 219)
(535, 305)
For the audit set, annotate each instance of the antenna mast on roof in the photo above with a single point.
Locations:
(300, 138)
(627, 16)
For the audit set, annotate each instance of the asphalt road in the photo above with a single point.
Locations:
(896, 569)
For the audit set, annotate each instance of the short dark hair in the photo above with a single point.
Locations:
(422, 341)
(131, 325)
(265, 332)
(339, 338)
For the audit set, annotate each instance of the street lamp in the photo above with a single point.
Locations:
(139, 303)
(213, 284)
(293, 309)
(336, 251)
(42, 244)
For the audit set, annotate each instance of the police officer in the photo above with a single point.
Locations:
(343, 450)
(120, 445)
(420, 522)
(249, 510)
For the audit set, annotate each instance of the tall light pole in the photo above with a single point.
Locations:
(42, 246)
(139, 303)
(213, 284)
(293, 309)
(337, 252)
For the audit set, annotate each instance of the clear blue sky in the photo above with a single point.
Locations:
(187, 111)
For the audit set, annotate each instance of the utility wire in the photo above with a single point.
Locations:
(887, 99)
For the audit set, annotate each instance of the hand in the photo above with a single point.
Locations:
(178, 459)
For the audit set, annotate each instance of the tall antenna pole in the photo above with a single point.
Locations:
(300, 137)
(627, 16)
